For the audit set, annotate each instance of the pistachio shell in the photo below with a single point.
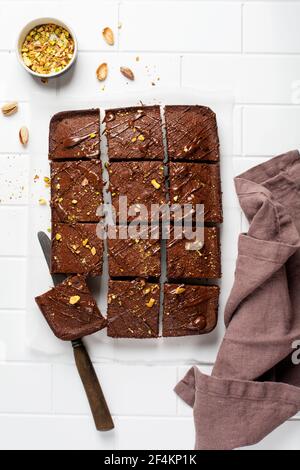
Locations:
(102, 72)
(108, 36)
(24, 135)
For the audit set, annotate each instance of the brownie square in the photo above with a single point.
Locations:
(70, 310)
(192, 133)
(205, 262)
(142, 183)
(133, 309)
(134, 133)
(76, 249)
(197, 183)
(190, 310)
(76, 191)
(135, 257)
(75, 135)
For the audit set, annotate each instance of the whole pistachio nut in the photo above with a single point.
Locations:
(9, 108)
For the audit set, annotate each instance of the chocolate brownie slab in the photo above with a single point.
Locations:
(203, 262)
(75, 135)
(134, 133)
(76, 191)
(70, 310)
(192, 133)
(76, 249)
(197, 183)
(135, 257)
(189, 310)
(142, 183)
(133, 309)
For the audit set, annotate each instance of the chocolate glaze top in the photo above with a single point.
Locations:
(71, 321)
(197, 183)
(193, 264)
(133, 309)
(134, 133)
(142, 183)
(192, 133)
(75, 135)
(76, 248)
(189, 310)
(76, 191)
(135, 257)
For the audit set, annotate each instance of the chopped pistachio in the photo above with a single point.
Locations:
(58, 237)
(48, 48)
(155, 184)
(179, 290)
(150, 303)
(42, 202)
(85, 242)
(93, 251)
(74, 299)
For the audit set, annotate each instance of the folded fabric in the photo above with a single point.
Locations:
(255, 386)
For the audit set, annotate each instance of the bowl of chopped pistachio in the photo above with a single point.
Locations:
(46, 47)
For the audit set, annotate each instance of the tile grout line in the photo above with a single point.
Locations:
(118, 25)
(242, 132)
(180, 70)
(242, 28)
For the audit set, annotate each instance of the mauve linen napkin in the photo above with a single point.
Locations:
(255, 386)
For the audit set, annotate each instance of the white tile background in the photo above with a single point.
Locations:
(251, 47)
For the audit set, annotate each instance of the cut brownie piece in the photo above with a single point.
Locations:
(134, 133)
(75, 135)
(190, 310)
(76, 249)
(70, 310)
(133, 309)
(194, 183)
(204, 262)
(192, 133)
(76, 191)
(142, 182)
(135, 257)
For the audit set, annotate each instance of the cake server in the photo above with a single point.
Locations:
(98, 405)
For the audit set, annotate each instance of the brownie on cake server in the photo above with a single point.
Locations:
(70, 310)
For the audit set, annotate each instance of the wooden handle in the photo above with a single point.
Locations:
(99, 408)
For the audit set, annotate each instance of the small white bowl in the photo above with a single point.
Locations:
(40, 21)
